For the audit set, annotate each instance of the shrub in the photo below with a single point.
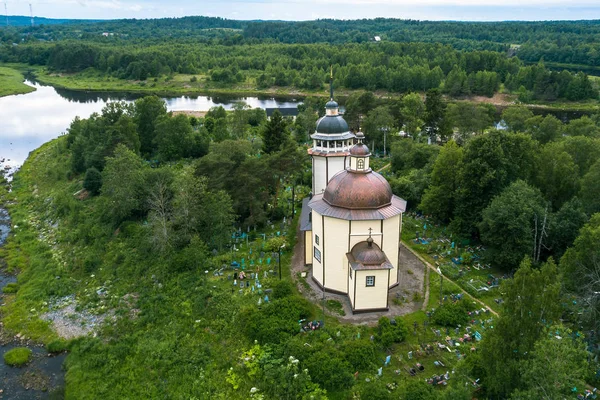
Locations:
(92, 181)
(18, 356)
(57, 346)
(388, 333)
(282, 289)
(452, 314)
(276, 321)
(330, 370)
(10, 288)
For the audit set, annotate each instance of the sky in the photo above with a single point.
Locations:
(469, 10)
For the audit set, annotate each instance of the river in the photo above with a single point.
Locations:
(29, 120)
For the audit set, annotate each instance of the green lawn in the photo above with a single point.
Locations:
(11, 82)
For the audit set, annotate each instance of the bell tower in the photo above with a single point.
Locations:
(331, 145)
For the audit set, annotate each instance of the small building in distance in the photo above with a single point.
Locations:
(286, 112)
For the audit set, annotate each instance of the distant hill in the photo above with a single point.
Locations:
(21, 20)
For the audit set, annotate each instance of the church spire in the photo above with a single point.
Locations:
(331, 84)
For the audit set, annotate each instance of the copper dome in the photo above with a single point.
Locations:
(367, 253)
(360, 149)
(354, 191)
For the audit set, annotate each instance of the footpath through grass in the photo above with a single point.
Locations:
(11, 82)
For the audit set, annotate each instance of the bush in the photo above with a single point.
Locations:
(18, 356)
(276, 321)
(282, 289)
(57, 346)
(92, 181)
(452, 314)
(330, 370)
(387, 333)
(10, 288)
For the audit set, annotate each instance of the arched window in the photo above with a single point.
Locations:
(360, 164)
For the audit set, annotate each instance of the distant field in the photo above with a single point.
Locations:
(11, 82)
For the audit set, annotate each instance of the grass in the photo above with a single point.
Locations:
(185, 326)
(466, 276)
(17, 357)
(11, 82)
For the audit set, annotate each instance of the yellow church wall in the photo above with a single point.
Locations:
(324, 168)
(319, 174)
(371, 297)
(308, 247)
(317, 230)
(360, 232)
(391, 240)
(336, 247)
(351, 287)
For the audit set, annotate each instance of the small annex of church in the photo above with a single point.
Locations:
(352, 222)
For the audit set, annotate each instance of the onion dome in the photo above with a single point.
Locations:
(367, 255)
(358, 191)
(331, 104)
(332, 124)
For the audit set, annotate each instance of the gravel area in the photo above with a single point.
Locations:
(69, 323)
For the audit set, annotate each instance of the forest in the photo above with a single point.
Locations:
(143, 218)
(157, 197)
(459, 58)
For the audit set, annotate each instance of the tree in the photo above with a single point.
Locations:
(412, 110)
(274, 133)
(509, 224)
(376, 124)
(491, 162)
(146, 112)
(546, 129)
(531, 301)
(590, 188)
(123, 186)
(515, 118)
(239, 119)
(583, 126)
(557, 176)
(92, 181)
(469, 118)
(200, 211)
(173, 138)
(557, 365)
(160, 197)
(581, 268)
(435, 116)
(439, 199)
(565, 225)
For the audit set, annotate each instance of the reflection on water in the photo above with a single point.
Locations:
(29, 120)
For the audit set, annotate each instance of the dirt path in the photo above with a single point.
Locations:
(386, 166)
(431, 268)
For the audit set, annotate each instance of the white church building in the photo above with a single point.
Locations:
(352, 222)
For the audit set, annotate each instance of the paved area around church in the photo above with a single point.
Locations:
(407, 297)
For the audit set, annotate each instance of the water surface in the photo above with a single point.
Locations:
(29, 120)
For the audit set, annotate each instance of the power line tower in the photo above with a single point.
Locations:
(31, 12)
(6, 12)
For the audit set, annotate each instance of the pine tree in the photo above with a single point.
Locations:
(274, 133)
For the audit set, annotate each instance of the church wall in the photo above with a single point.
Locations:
(391, 240)
(351, 286)
(336, 247)
(360, 232)
(371, 297)
(308, 247)
(319, 174)
(336, 164)
(317, 266)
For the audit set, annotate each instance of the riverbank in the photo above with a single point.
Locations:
(197, 85)
(11, 82)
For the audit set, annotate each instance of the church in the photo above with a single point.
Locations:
(352, 221)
